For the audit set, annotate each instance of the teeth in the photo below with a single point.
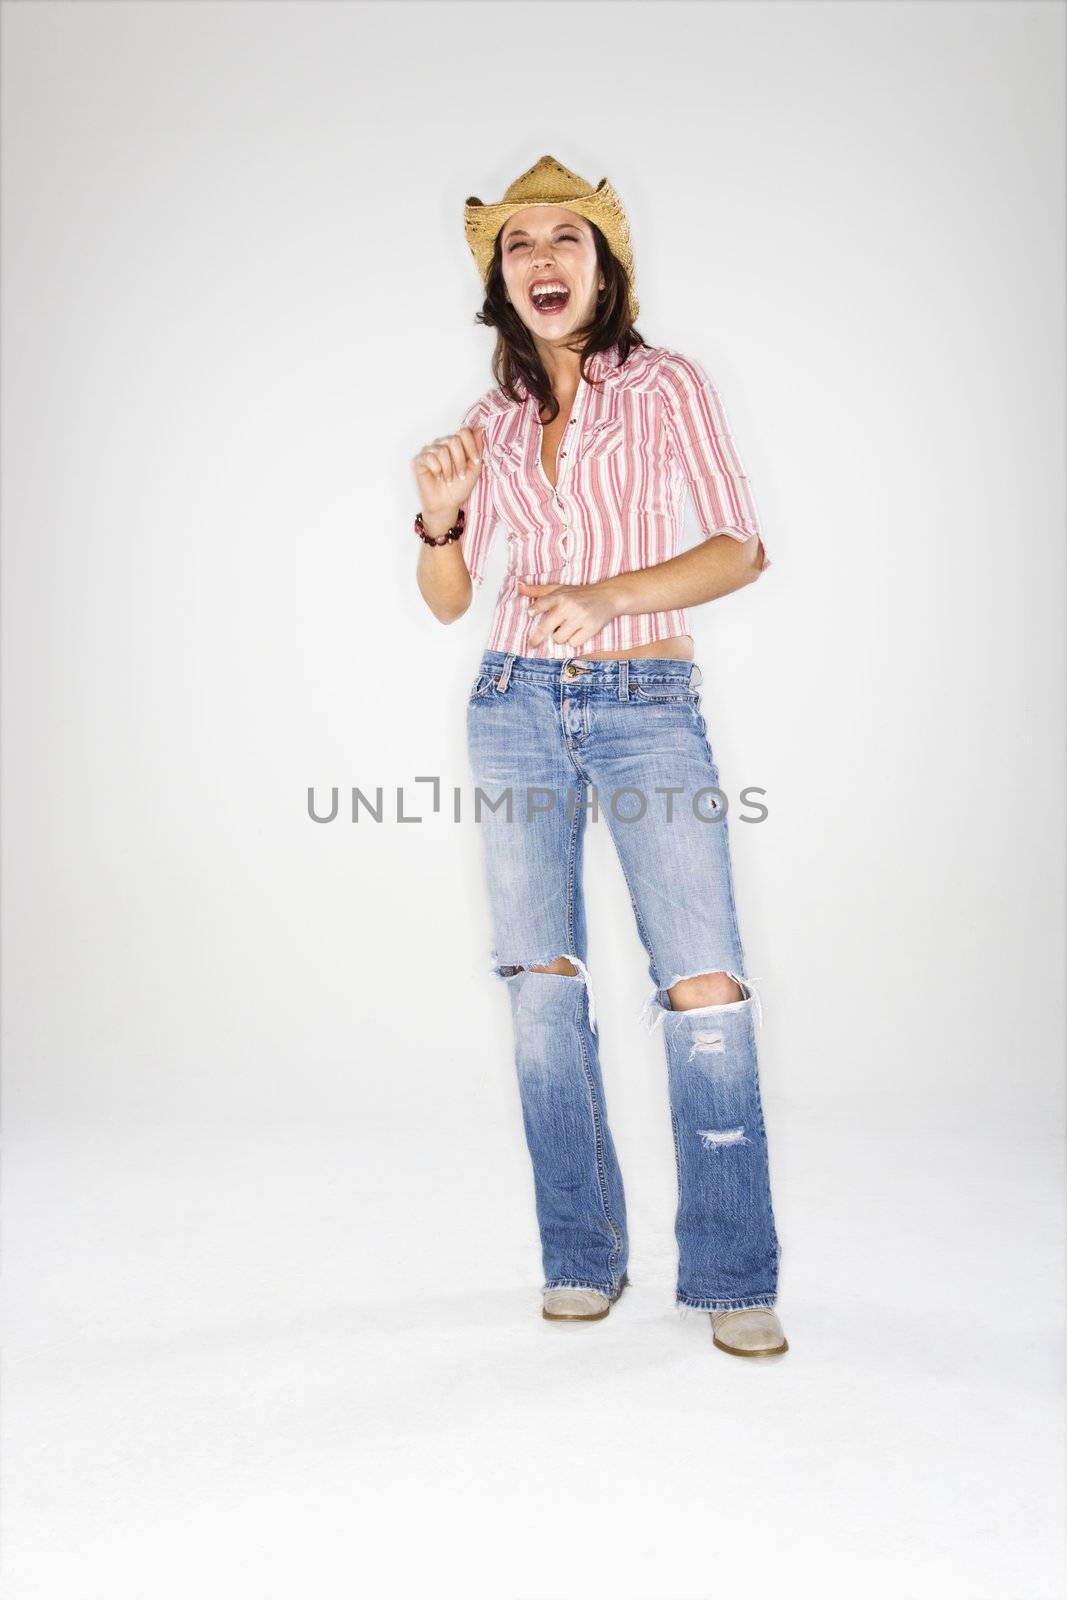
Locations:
(548, 288)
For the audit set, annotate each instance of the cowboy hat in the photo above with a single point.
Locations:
(549, 183)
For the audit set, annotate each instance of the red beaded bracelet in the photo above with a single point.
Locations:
(445, 538)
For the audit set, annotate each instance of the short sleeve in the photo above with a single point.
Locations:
(700, 440)
(480, 516)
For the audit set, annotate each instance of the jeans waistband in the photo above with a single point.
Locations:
(572, 669)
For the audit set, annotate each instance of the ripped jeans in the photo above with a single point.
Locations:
(551, 743)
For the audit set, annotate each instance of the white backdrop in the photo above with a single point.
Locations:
(271, 1260)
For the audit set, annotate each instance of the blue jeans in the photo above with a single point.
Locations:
(550, 743)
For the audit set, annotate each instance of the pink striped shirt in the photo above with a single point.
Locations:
(636, 441)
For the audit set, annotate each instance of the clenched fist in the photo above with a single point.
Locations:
(446, 471)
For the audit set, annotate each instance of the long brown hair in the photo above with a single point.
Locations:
(515, 356)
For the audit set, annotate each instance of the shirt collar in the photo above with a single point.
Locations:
(604, 363)
(601, 365)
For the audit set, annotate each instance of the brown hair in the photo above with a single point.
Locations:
(515, 355)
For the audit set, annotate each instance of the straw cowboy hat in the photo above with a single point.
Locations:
(549, 183)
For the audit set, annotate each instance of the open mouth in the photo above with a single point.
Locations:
(549, 302)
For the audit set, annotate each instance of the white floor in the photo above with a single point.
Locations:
(308, 1360)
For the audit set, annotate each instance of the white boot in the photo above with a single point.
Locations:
(750, 1331)
(575, 1305)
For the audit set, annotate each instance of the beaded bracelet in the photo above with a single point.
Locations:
(445, 538)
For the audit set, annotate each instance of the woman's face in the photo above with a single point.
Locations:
(549, 244)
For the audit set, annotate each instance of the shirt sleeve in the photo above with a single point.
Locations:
(699, 439)
(480, 516)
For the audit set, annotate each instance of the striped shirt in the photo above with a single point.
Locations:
(637, 439)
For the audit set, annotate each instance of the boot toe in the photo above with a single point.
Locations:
(575, 1305)
(750, 1331)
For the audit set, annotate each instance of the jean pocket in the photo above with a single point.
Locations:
(600, 439)
(506, 459)
(484, 684)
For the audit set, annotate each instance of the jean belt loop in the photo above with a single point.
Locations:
(696, 677)
(502, 681)
(624, 678)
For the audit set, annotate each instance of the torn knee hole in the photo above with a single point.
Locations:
(561, 965)
(704, 989)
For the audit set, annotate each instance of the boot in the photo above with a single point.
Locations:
(749, 1331)
(575, 1305)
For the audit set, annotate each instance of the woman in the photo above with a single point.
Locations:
(585, 697)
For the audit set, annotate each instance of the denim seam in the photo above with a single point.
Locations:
(641, 928)
(714, 1303)
(609, 1289)
(665, 699)
(729, 870)
(677, 1151)
(766, 1162)
(602, 1177)
(567, 745)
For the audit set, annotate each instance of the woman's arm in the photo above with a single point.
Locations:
(441, 574)
(700, 441)
(451, 476)
(711, 569)
(714, 568)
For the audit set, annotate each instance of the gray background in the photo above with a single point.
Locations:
(270, 1256)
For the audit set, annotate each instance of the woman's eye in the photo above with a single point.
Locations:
(520, 242)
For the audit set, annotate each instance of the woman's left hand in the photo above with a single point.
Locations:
(568, 613)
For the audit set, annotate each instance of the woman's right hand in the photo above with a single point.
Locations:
(447, 470)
